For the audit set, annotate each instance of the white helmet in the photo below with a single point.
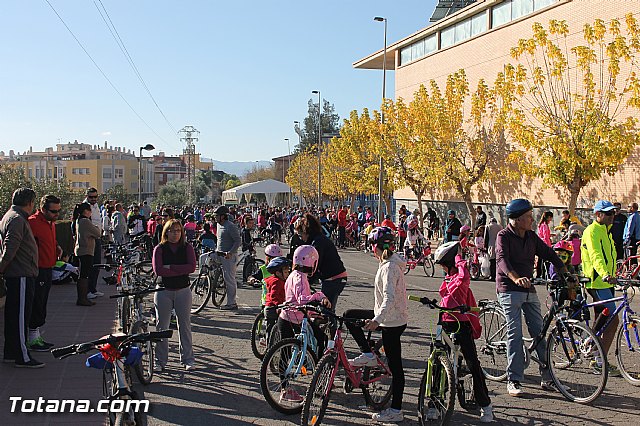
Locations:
(273, 250)
(446, 253)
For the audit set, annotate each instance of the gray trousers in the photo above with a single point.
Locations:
(229, 274)
(180, 301)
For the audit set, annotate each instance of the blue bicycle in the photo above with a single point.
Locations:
(628, 336)
(288, 366)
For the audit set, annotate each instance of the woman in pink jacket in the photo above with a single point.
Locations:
(455, 291)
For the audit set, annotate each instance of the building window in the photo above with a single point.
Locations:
(106, 173)
(463, 30)
(539, 4)
(520, 8)
(134, 172)
(501, 14)
(30, 173)
(479, 24)
(119, 173)
(447, 37)
(134, 185)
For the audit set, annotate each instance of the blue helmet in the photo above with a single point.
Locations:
(277, 264)
(518, 207)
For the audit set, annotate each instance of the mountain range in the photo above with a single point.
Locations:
(238, 168)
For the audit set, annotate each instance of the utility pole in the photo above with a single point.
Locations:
(189, 137)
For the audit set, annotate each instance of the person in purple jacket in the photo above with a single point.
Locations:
(173, 260)
(516, 248)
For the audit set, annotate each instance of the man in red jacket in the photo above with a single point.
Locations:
(342, 225)
(42, 224)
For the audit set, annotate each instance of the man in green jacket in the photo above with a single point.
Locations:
(599, 265)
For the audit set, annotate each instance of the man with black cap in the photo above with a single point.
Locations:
(599, 265)
(516, 248)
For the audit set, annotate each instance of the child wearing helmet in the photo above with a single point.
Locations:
(390, 313)
(278, 269)
(455, 291)
(564, 250)
(414, 239)
(256, 280)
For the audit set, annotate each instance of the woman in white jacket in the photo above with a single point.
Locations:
(390, 314)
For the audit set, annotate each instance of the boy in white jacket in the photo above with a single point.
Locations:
(390, 314)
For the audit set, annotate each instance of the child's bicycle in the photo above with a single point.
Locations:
(424, 259)
(118, 354)
(446, 374)
(288, 365)
(261, 338)
(375, 382)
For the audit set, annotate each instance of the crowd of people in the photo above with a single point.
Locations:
(31, 259)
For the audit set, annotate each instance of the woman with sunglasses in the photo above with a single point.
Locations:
(173, 260)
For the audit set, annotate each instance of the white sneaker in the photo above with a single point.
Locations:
(388, 416)
(486, 414)
(190, 367)
(514, 388)
(91, 295)
(363, 360)
(98, 293)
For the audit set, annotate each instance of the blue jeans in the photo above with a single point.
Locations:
(515, 304)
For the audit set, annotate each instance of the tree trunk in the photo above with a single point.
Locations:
(419, 195)
(467, 201)
(387, 203)
(573, 200)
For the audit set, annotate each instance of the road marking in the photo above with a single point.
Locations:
(362, 272)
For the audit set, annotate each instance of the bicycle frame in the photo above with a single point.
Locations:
(443, 344)
(304, 339)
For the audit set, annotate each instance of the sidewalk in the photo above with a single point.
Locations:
(60, 379)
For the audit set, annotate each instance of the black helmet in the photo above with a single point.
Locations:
(277, 264)
(518, 207)
(446, 253)
(221, 210)
(381, 235)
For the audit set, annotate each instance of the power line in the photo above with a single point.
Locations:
(105, 75)
(125, 52)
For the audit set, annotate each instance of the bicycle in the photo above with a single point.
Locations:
(209, 284)
(261, 340)
(375, 382)
(446, 374)
(251, 263)
(288, 365)
(627, 337)
(117, 355)
(424, 259)
(140, 324)
(570, 349)
(629, 267)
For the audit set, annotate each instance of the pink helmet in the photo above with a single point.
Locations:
(306, 256)
(273, 250)
(412, 223)
(465, 228)
(563, 245)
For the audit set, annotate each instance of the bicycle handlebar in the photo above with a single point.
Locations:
(137, 293)
(433, 304)
(81, 348)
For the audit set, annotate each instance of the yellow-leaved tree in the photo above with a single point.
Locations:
(303, 175)
(571, 105)
(408, 144)
(469, 139)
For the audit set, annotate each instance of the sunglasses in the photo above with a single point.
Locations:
(54, 211)
(92, 196)
(609, 213)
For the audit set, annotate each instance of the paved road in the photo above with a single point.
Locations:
(225, 389)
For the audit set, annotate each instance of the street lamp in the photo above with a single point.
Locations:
(299, 132)
(147, 147)
(319, 145)
(384, 87)
(288, 168)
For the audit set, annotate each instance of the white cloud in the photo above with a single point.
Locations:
(107, 133)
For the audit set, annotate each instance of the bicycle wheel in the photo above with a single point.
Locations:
(285, 374)
(573, 350)
(259, 336)
(628, 351)
(429, 267)
(144, 369)
(124, 311)
(492, 344)
(200, 293)
(378, 393)
(435, 405)
(319, 392)
(407, 268)
(218, 287)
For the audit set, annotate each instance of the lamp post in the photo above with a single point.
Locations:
(384, 87)
(319, 146)
(288, 168)
(147, 147)
(299, 132)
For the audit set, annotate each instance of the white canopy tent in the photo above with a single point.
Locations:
(270, 188)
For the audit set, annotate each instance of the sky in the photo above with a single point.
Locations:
(240, 72)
